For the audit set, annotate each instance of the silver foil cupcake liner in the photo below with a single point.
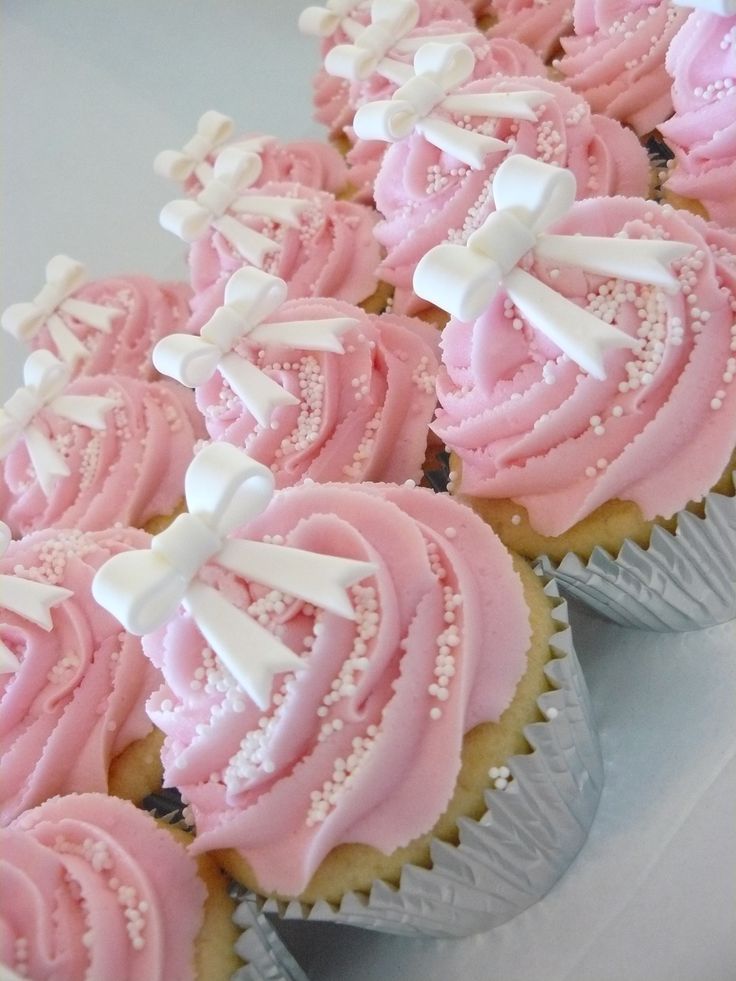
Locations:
(682, 581)
(266, 957)
(532, 831)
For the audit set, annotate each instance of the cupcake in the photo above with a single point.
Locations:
(587, 394)
(319, 245)
(615, 58)
(314, 389)
(702, 132)
(435, 180)
(105, 327)
(95, 887)
(87, 453)
(394, 715)
(73, 687)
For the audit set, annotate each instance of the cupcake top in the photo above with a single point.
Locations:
(362, 743)
(306, 162)
(328, 249)
(657, 426)
(88, 888)
(702, 133)
(496, 56)
(350, 401)
(88, 453)
(427, 194)
(109, 326)
(615, 58)
(73, 685)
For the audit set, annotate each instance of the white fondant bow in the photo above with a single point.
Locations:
(63, 277)
(213, 129)
(29, 599)
(45, 379)
(324, 21)
(391, 21)
(234, 172)
(530, 195)
(724, 8)
(225, 489)
(439, 69)
(251, 296)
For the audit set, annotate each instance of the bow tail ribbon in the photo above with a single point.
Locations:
(635, 260)
(250, 244)
(30, 599)
(9, 663)
(67, 343)
(319, 579)
(581, 336)
(249, 652)
(464, 144)
(86, 410)
(260, 394)
(93, 314)
(46, 461)
(286, 211)
(501, 105)
(307, 335)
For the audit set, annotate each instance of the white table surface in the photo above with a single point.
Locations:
(91, 91)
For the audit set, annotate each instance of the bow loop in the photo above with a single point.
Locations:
(224, 490)
(324, 21)
(46, 374)
(256, 292)
(244, 487)
(450, 64)
(529, 196)
(187, 358)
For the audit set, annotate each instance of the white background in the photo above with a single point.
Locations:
(92, 90)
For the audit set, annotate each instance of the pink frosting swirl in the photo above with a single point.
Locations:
(702, 132)
(148, 312)
(615, 58)
(129, 472)
(537, 23)
(495, 56)
(444, 603)
(332, 252)
(362, 415)
(88, 882)
(658, 431)
(78, 698)
(426, 196)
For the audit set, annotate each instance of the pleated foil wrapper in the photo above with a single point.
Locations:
(531, 832)
(682, 581)
(266, 957)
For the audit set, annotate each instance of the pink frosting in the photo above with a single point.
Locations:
(444, 603)
(702, 133)
(495, 56)
(77, 700)
(332, 252)
(148, 312)
(537, 23)
(129, 472)
(615, 58)
(659, 431)
(88, 882)
(427, 196)
(362, 415)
